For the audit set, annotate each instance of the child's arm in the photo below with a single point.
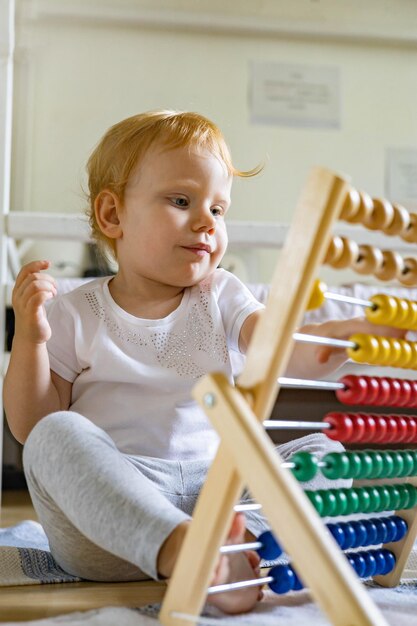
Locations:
(31, 390)
(315, 361)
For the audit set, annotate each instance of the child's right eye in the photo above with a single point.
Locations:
(180, 202)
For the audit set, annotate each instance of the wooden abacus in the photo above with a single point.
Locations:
(247, 457)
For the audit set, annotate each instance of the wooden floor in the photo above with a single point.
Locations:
(26, 603)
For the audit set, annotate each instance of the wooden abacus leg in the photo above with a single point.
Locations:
(211, 521)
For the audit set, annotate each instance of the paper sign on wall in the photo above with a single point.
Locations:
(295, 95)
(401, 175)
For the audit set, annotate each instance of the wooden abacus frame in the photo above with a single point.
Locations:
(246, 456)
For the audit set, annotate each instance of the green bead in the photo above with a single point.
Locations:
(366, 465)
(408, 460)
(364, 499)
(329, 502)
(316, 500)
(337, 465)
(342, 502)
(395, 497)
(354, 464)
(404, 498)
(352, 501)
(388, 465)
(306, 466)
(414, 455)
(377, 463)
(375, 498)
(398, 463)
(384, 494)
(412, 492)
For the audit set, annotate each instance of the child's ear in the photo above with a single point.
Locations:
(107, 207)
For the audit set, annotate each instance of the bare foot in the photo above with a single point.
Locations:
(235, 568)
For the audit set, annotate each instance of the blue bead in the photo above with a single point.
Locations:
(391, 529)
(389, 561)
(371, 533)
(338, 534)
(284, 579)
(380, 561)
(358, 563)
(370, 561)
(270, 549)
(381, 530)
(298, 585)
(350, 536)
(360, 532)
(402, 527)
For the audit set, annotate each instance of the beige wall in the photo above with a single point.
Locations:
(81, 66)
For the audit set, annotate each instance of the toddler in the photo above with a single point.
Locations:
(99, 383)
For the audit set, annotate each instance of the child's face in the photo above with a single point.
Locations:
(172, 221)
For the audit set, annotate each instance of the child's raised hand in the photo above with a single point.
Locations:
(32, 289)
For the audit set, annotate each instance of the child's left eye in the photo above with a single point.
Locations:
(217, 211)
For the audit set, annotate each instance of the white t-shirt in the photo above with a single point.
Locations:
(133, 377)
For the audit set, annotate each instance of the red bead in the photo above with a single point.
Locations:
(391, 429)
(413, 398)
(395, 391)
(383, 398)
(370, 428)
(381, 429)
(355, 389)
(372, 391)
(401, 428)
(405, 396)
(411, 429)
(342, 426)
(359, 425)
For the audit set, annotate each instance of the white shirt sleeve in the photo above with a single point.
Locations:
(236, 303)
(61, 346)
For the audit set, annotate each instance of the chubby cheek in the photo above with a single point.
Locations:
(221, 245)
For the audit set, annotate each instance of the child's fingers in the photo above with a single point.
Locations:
(345, 329)
(30, 268)
(324, 353)
(37, 299)
(35, 283)
(31, 284)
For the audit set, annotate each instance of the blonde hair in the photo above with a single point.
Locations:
(125, 143)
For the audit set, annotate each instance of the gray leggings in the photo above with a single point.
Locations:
(107, 514)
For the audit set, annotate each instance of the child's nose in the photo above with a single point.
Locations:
(206, 221)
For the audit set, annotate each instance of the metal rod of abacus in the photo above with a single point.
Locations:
(329, 295)
(309, 384)
(242, 584)
(326, 341)
(250, 506)
(296, 424)
(241, 547)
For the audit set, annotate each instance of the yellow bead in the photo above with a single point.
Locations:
(401, 314)
(366, 350)
(413, 362)
(317, 295)
(384, 311)
(413, 321)
(396, 352)
(410, 319)
(384, 356)
(406, 354)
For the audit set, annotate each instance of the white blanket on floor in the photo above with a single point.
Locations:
(25, 560)
(398, 606)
